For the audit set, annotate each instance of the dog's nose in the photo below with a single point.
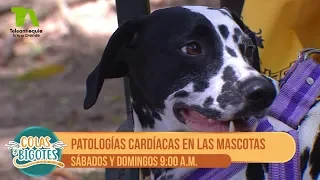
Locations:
(259, 92)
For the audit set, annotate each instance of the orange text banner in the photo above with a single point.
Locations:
(277, 147)
(146, 161)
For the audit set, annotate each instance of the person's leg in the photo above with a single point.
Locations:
(233, 5)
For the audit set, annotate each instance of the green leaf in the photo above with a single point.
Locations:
(43, 72)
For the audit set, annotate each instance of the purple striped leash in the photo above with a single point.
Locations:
(299, 90)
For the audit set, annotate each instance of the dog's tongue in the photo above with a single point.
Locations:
(198, 122)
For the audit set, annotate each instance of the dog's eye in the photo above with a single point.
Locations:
(192, 48)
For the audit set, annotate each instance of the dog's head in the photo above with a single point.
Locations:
(190, 68)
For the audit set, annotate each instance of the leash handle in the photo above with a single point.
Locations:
(303, 56)
(299, 90)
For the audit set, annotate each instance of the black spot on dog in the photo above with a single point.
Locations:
(145, 119)
(230, 78)
(223, 29)
(229, 74)
(242, 48)
(231, 52)
(236, 35)
(227, 86)
(156, 115)
(181, 94)
(237, 31)
(208, 112)
(255, 171)
(235, 38)
(314, 158)
(229, 98)
(208, 102)
(304, 160)
(200, 86)
(229, 94)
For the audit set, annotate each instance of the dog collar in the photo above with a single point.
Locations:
(299, 90)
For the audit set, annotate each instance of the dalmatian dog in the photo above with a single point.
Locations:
(195, 68)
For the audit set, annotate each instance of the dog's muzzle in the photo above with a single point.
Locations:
(258, 94)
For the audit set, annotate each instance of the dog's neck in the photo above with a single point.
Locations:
(145, 116)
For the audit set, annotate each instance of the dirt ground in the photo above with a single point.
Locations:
(67, 52)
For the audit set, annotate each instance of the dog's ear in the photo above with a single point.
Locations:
(113, 61)
(253, 37)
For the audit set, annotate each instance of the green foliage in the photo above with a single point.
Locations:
(43, 72)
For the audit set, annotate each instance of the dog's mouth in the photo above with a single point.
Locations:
(197, 121)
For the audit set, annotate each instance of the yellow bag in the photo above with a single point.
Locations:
(287, 26)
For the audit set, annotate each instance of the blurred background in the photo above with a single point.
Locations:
(42, 79)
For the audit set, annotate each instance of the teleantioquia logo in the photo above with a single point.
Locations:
(36, 151)
(21, 17)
